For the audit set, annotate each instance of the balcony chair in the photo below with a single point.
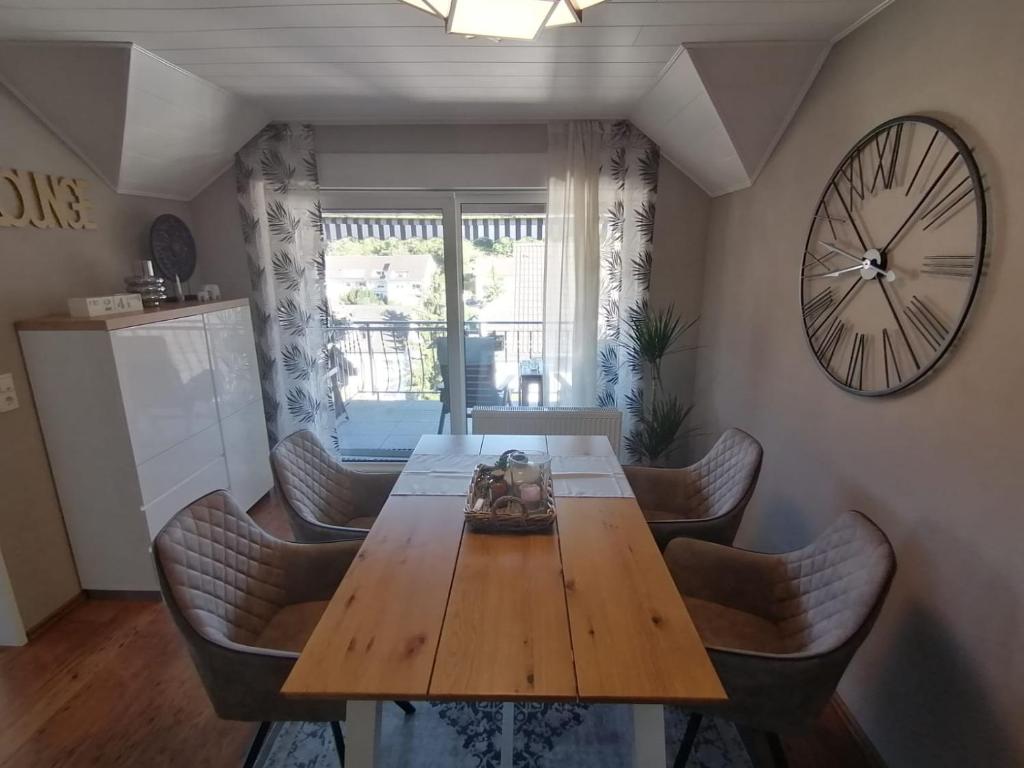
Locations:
(324, 500)
(781, 629)
(480, 375)
(705, 500)
(246, 603)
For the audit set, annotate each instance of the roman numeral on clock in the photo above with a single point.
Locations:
(830, 342)
(949, 266)
(885, 169)
(853, 172)
(926, 323)
(817, 304)
(938, 211)
(892, 365)
(855, 367)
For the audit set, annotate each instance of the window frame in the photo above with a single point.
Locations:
(451, 204)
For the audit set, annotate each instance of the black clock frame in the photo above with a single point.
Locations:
(981, 212)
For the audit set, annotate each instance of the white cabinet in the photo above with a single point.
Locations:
(246, 449)
(233, 353)
(143, 414)
(166, 383)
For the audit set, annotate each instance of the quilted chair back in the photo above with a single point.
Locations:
(314, 484)
(221, 574)
(835, 586)
(725, 478)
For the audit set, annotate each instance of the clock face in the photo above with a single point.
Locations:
(893, 256)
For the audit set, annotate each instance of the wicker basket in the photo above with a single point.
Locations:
(509, 514)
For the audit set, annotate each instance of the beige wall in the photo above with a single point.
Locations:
(217, 229)
(39, 270)
(680, 233)
(941, 680)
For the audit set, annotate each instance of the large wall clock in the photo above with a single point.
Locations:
(893, 256)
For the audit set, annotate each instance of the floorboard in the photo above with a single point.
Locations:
(110, 684)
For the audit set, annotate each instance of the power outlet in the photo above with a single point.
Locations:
(8, 397)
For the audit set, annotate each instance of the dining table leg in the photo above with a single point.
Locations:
(362, 732)
(649, 736)
(508, 721)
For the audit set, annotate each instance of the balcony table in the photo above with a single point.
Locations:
(429, 610)
(531, 374)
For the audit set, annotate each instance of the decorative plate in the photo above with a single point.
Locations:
(172, 246)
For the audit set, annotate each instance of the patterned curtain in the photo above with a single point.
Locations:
(626, 197)
(279, 203)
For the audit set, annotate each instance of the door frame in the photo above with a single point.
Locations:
(450, 204)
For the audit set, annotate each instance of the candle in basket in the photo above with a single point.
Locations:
(499, 488)
(524, 472)
(530, 493)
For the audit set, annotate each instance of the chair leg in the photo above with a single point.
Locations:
(689, 737)
(339, 742)
(406, 707)
(440, 424)
(776, 749)
(257, 745)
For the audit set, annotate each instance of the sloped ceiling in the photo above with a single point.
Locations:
(383, 61)
(146, 126)
(707, 79)
(719, 109)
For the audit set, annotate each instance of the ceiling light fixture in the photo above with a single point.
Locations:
(500, 19)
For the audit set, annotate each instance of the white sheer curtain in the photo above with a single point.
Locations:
(573, 263)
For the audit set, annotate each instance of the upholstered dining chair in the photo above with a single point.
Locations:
(324, 500)
(781, 629)
(705, 500)
(246, 603)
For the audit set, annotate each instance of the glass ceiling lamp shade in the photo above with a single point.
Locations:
(511, 19)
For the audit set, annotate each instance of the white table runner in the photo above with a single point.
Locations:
(448, 474)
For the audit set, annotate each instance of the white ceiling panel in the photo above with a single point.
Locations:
(145, 126)
(362, 61)
(841, 13)
(430, 69)
(344, 54)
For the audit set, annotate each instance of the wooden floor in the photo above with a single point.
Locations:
(110, 684)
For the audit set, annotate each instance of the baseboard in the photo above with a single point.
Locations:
(868, 749)
(35, 630)
(122, 594)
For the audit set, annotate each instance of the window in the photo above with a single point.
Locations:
(405, 270)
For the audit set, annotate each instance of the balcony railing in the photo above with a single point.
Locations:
(398, 359)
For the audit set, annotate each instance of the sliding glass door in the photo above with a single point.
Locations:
(405, 274)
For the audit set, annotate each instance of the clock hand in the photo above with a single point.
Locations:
(888, 274)
(867, 269)
(837, 273)
(865, 264)
(841, 252)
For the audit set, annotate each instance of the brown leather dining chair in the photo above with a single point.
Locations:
(324, 500)
(705, 500)
(781, 629)
(246, 603)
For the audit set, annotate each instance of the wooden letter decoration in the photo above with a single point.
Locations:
(44, 201)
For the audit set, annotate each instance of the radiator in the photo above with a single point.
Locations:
(516, 420)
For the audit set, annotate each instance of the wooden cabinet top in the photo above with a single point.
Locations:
(171, 311)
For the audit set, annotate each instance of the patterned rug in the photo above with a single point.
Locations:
(468, 735)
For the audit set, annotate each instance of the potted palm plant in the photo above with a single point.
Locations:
(658, 417)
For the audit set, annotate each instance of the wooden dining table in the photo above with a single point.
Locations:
(586, 612)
